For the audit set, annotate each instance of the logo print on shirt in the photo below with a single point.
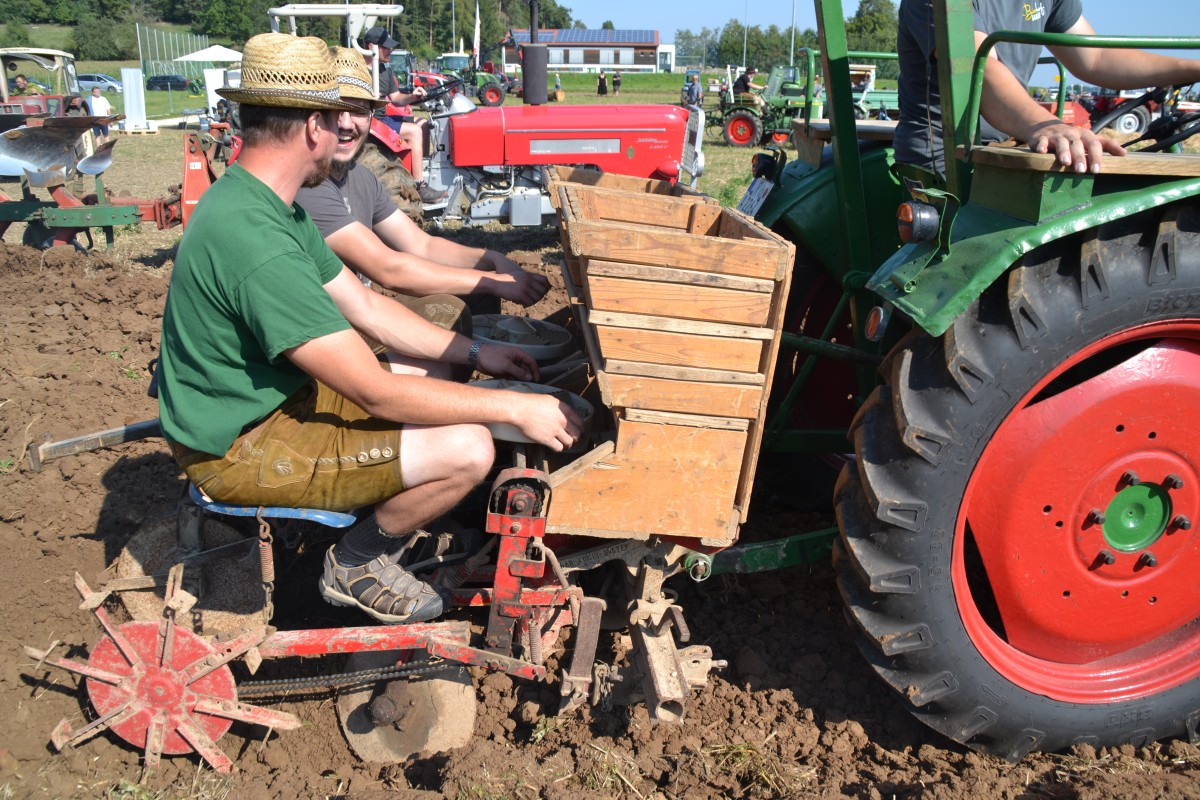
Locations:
(1034, 12)
(346, 203)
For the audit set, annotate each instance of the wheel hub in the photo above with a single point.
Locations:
(1137, 517)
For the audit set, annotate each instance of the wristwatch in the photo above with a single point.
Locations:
(473, 354)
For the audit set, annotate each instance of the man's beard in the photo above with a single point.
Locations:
(320, 172)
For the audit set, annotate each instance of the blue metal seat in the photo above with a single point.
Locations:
(333, 519)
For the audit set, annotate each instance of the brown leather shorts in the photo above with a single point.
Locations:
(317, 450)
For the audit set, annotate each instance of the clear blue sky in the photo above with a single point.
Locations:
(1125, 17)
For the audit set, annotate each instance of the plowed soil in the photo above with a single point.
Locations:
(796, 713)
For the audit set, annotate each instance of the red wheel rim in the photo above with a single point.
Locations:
(493, 95)
(740, 131)
(1088, 609)
(779, 137)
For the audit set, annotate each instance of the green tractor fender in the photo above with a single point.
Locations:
(804, 203)
(935, 282)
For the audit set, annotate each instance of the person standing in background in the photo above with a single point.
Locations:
(617, 83)
(602, 84)
(100, 108)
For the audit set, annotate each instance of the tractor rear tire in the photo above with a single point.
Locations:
(743, 129)
(1016, 541)
(396, 179)
(491, 94)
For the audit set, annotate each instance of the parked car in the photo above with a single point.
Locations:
(161, 83)
(107, 83)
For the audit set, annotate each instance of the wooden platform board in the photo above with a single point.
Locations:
(1183, 165)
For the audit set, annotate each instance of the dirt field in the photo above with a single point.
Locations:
(797, 713)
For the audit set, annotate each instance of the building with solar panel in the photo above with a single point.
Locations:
(595, 49)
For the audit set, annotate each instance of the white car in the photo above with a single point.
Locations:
(107, 83)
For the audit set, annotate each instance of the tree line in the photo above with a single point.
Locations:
(104, 30)
(872, 28)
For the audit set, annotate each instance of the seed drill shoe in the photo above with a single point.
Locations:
(381, 588)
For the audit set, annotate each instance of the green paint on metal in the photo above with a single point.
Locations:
(1136, 517)
(803, 548)
(987, 243)
(1030, 195)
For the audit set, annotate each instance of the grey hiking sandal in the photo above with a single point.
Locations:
(381, 588)
(429, 195)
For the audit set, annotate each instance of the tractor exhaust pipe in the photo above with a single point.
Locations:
(535, 59)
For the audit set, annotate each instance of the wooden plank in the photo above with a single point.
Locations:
(584, 463)
(662, 480)
(679, 349)
(686, 397)
(617, 319)
(686, 420)
(704, 218)
(606, 180)
(643, 209)
(1166, 164)
(618, 269)
(615, 366)
(675, 300)
(661, 247)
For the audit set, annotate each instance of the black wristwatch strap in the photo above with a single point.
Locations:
(473, 354)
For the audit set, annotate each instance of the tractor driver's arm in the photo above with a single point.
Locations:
(1008, 106)
(344, 362)
(399, 98)
(403, 257)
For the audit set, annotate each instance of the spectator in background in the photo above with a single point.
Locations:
(693, 94)
(602, 84)
(617, 83)
(100, 108)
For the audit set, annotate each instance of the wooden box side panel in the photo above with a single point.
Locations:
(679, 349)
(685, 397)
(663, 480)
(657, 298)
(676, 249)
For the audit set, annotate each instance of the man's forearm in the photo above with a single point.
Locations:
(408, 333)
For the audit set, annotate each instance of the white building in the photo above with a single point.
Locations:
(592, 50)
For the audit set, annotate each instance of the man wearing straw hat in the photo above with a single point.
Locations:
(372, 236)
(268, 395)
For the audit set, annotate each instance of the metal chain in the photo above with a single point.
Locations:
(345, 678)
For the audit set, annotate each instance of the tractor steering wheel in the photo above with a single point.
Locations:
(438, 92)
(1171, 127)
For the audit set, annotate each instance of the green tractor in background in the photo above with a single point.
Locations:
(1014, 352)
(486, 86)
(744, 124)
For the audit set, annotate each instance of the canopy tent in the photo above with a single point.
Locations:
(213, 54)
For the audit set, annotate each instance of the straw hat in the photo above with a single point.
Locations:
(352, 76)
(286, 71)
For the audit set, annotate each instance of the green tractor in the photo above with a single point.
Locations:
(743, 123)
(485, 86)
(1017, 364)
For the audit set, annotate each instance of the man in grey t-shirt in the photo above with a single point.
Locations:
(369, 234)
(1007, 107)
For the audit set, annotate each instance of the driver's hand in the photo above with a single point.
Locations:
(1073, 147)
(419, 91)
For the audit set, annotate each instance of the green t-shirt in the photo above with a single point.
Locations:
(247, 285)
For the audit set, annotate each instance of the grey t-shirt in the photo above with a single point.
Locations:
(358, 197)
(919, 134)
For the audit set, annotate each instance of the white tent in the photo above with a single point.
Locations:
(213, 54)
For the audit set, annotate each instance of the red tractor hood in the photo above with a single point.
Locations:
(641, 140)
